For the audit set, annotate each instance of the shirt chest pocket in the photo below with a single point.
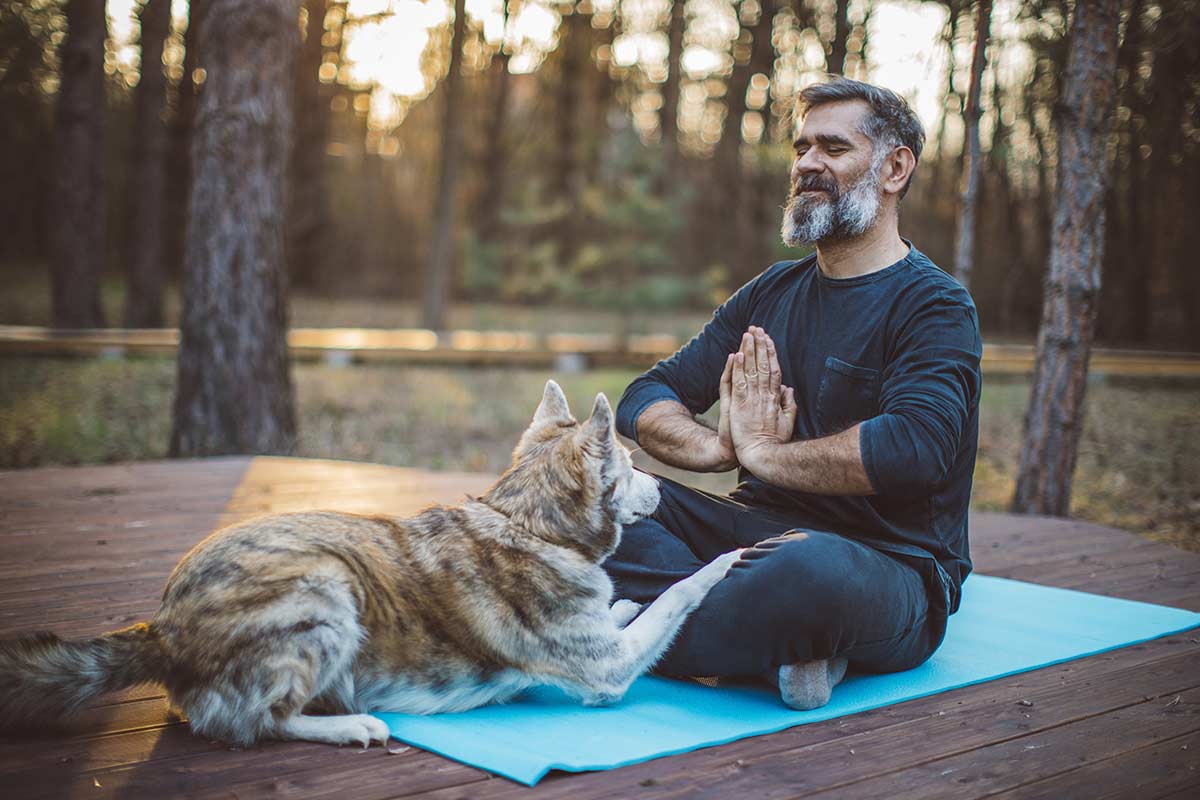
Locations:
(848, 394)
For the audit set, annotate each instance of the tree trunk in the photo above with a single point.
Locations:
(949, 37)
(439, 273)
(148, 163)
(742, 256)
(179, 147)
(668, 118)
(495, 150)
(574, 46)
(78, 242)
(964, 246)
(234, 391)
(1055, 415)
(308, 215)
(841, 35)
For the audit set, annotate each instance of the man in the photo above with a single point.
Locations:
(848, 385)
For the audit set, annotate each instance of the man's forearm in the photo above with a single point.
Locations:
(830, 465)
(669, 432)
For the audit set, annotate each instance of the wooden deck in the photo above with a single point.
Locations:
(85, 550)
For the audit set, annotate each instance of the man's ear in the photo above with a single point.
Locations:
(599, 426)
(897, 169)
(553, 407)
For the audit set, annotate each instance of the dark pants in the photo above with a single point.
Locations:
(800, 595)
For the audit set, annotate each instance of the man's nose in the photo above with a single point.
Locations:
(806, 164)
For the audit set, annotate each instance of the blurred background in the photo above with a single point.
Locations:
(590, 166)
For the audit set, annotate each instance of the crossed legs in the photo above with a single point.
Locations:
(796, 608)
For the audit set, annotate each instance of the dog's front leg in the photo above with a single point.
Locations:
(647, 637)
(623, 611)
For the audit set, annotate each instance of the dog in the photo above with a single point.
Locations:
(296, 626)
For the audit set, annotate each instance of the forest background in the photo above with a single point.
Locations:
(613, 165)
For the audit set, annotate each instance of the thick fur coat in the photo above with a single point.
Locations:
(295, 626)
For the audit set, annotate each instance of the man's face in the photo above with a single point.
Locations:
(836, 190)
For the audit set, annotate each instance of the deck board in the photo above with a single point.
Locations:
(84, 550)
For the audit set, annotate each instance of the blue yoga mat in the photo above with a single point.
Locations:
(1003, 627)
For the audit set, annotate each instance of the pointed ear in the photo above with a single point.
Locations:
(553, 406)
(600, 425)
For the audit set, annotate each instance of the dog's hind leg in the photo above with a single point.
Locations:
(293, 654)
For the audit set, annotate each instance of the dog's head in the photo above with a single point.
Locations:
(573, 482)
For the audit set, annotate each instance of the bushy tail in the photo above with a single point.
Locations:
(44, 679)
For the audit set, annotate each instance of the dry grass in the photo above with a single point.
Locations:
(26, 301)
(1138, 463)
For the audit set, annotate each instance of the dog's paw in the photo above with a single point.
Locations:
(603, 698)
(623, 612)
(724, 562)
(361, 729)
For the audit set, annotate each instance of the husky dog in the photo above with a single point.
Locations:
(295, 626)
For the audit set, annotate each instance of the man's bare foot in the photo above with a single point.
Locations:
(807, 685)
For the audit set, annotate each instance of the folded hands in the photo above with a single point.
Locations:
(757, 412)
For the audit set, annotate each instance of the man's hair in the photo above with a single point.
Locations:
(890, 122)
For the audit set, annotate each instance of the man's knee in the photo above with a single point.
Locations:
(818, 567)
(811, 585)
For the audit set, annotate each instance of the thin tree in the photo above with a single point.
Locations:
(841, 38)
(949, 38)
(568, 177)
(78, 225)
(668, 123)
(495, 146)
(964, 244)
(148, 153)
(234, 393)
(439, 272)
(753, 53)
(308, 216)
(179, 136)
(1072, 288)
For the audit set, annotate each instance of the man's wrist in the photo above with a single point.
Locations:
(757, 456)
(718, 456)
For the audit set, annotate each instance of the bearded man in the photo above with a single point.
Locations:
(848, 384)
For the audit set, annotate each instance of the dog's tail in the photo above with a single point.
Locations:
(43, 679)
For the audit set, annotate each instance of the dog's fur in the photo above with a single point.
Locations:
(268, 621)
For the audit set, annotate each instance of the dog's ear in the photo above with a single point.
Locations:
(553, 407)
(599, 426)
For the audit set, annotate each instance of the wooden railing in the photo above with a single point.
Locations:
(566, 351)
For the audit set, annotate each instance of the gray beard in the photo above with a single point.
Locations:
(843, 216)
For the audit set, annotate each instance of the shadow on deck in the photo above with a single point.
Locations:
(85, 550)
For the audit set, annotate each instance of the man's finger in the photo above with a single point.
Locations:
(773, 366)
(738, 382)
(747, 363)
(727, 377)
(762, 360)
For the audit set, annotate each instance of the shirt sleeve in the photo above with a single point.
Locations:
(691, 376)
(930, 388)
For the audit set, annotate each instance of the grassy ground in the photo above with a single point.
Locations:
(26, 301)
(1139, 457)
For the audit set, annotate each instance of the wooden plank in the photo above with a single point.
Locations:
(1165, 769)
(1029, 758)
(823, 755)
(280, 769)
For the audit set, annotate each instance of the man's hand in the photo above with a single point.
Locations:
(762, 412)
(725, 449)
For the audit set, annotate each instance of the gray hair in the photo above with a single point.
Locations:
(891, 122)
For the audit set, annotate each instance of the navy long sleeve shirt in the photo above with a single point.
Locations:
(898, 350)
